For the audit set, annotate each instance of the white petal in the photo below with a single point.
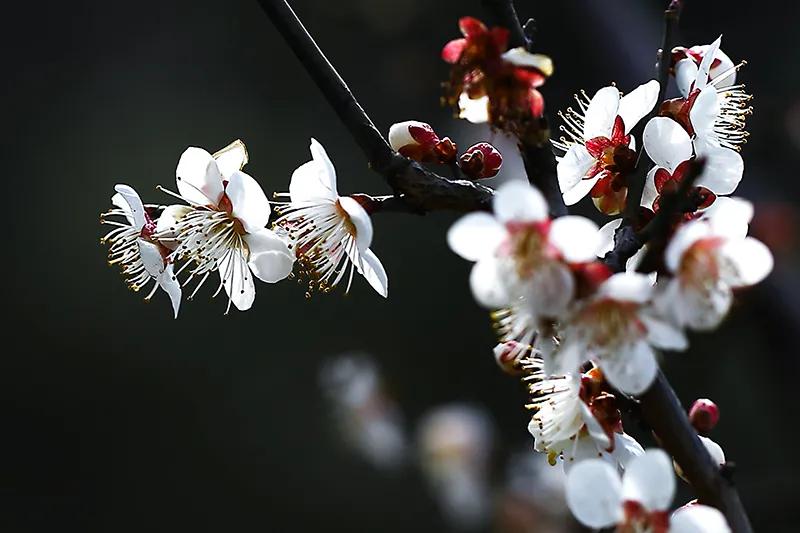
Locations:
(231, 158)
(315, 180)
(729, 217)
(151, 257)
(627, 287)
(270, 258)
(581, 189)
(576, 237)
(650, 480)
(685, 74)
(399, 136)
(373, 271)
(697, 518)
(726, 66)
(626, 448)
(573, 166)
(714, 450)
(631, 368)
(686, 236)
(606, 237)
(475, 111)
(664, 335)
(475, 235)
(237, 280)
(594, 494)
(703, 310)
(567, 359)
(703, 115)
(650, 193)
(550, 290)
(360, 219)
(704, 70)
(198, 177)
(601, 113)
(250, 204)
(596, 431)
(723, 170)
(487, 288)
(165, 224)
(169, 283)
(638, 103)
(522, 58)
(517, 201)
(135, 210)
(667, 143)
(751, 259)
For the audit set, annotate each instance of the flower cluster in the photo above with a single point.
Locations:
(489, 83)
(221, 227)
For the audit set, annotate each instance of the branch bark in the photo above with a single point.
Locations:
(420, 188)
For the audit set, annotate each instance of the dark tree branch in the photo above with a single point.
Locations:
(422, 189)
(536, 150)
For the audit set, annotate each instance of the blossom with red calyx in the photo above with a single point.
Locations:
(639, 502)
(132, 245)
(490, 84)
(417, 140)
(480, 161)
(704, 415)
(598, 151)
(575, 417)
(720, 64)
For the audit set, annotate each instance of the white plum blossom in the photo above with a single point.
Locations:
(223, 228)
(599, 150)
(563, 424)
(708, 258)
(331, 234)
(132, 245)
(687, 61)
(617, 328)
(520, 255)
(639, 502)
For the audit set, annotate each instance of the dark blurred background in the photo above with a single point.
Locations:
(117, 418)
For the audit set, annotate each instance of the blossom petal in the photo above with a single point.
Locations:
(729, 217)
(601, 113)
(627, 287)
(626, 448)
(703, 115)
(473, 110)
(594, 494)
(250, 204)
(231, 158)
(577, 238)
(520, 57)
(667, 143)
(686, 236)
(567, 359)
(198, 177)
(649, 193)
(632, 368)
(475, 235)
(486, 285)
(751, 260)
(361, 221)
(594, 428)
(165, 225)
(151, 257)
(698, 518)
(685, 74)
(237, 279)
(606, 237)
(723, 171)
(517, 201)
(372, 270)
(128, 200)
(662, 334)
(580, 190)
(638, 103)
(650, 480)
(704, 70)
(169, 283)
(714, 450)
(573, 166)
(315, 180)
(270, 258)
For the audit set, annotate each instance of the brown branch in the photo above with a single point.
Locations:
(536, 150)
(420, 188)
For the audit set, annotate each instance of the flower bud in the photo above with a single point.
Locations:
(480, 161)
(509, 354)
(704, 415)
(417, 140)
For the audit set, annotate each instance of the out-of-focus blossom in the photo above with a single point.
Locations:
(639, 502)
(599, 150)
(708, 258)
(331, 234)
(141, 257)
(223, 228)
(417, 140)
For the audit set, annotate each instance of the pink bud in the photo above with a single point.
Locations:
(704, 415)
(481, 160)
(417, 140)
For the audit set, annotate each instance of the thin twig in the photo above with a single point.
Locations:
(422, 189)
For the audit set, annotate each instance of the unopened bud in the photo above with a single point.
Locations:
(704, 415)
(480, 161)
(509, 354)
(417, 140)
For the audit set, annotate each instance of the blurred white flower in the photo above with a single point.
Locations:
(131, 245)
(331, 234)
